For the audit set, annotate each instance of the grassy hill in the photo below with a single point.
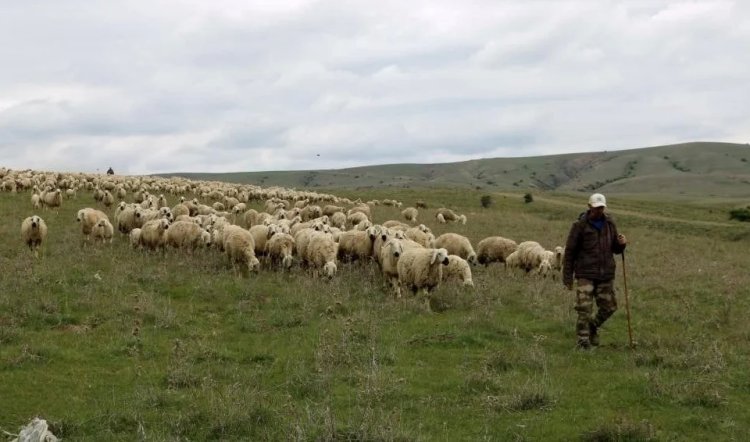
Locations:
(690, 169)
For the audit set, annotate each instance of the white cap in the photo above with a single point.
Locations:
(597, 200)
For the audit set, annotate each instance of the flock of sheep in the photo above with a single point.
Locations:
(313, 229)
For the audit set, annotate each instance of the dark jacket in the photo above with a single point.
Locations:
(589, 253)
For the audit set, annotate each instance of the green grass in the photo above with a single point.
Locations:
(110, 343)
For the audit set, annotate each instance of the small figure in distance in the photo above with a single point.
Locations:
(110, 171)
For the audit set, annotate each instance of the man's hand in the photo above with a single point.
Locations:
(622, 240)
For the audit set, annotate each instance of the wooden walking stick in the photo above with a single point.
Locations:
(627, 301)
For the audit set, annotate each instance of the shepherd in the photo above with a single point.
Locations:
(589, 258)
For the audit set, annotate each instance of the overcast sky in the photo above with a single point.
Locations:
(217, 86)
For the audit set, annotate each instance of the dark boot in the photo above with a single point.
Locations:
(583, 344)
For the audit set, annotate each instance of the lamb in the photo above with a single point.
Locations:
(70, 193)
(135, 238)
(513, 260)
(33, 233)
(410, 214)
(457, 245)
(280, 248)
(153, 233)
(321, 254)
(88, 218)
(187, 234)
(458, 269)
(36, 201)
(389, 255)
(422, 269)
(103, 230)
(240, 248)
(495, 249)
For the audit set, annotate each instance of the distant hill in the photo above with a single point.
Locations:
(691, 169)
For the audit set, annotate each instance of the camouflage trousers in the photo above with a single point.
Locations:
(586, 292)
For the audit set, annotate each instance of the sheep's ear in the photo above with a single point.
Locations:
(434, 256)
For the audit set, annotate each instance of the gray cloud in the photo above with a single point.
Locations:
(233, 85)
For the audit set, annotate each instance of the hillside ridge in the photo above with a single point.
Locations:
(692, 169)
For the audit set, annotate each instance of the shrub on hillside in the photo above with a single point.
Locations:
(528, 198)
(740, 214)
(486, 201)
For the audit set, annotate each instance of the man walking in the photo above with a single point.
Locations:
(589, 256)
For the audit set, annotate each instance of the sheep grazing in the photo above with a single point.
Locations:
(422, 269)
(356, 218)
(103, 230)
(457, 245)
(153, 233)
(410, 214)
(33, 233)
(88, 218)
(444, 215)
(279, 249)
(321, 253)
(420, 236)
(187, 235)
(390, 253)
(532, 255)
(495, 249)
(240, 248)
(458, 270)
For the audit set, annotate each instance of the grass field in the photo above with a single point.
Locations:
(111, 343)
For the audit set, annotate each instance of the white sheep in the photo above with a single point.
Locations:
(33, 233)
(357, 244)
(458, 269)
(457, 245)
(51, 199)
(36, 201)
(103, 230)
(321, 254)
(135, 238)
(280, 248)
(422, 269)
(532, 255)
(188, 235)
(88, 218)
(494, 249)
(355, 218)
(153, 233)
(418, 235)
(390, 253)
(410, 214)
(240, 248)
